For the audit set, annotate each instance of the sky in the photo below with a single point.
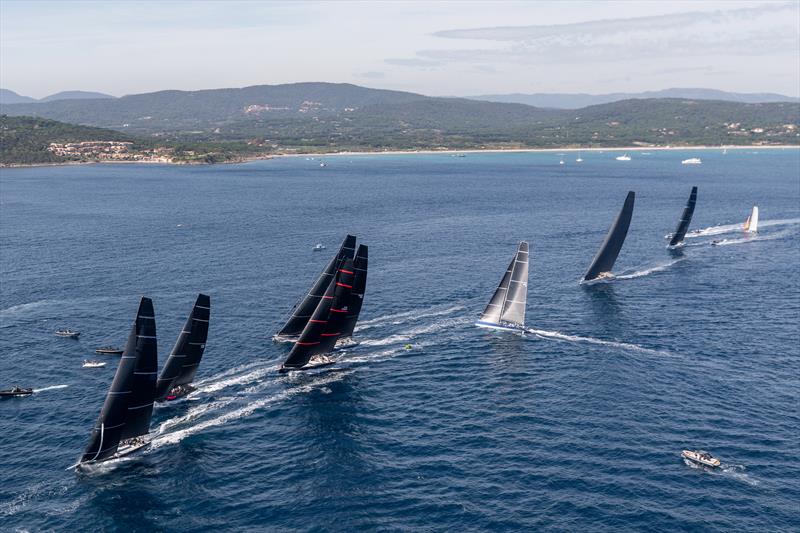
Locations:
(436, 48)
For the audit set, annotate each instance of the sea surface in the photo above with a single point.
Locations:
(576, 425)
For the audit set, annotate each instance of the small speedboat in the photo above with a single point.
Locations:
(93, 364)
(15, 392)
(323, 164)
(701, 457)
(109, 350)
(318, 247)
(66, 332)
(624, 157)
(692, 161)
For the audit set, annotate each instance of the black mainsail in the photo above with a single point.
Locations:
(604, 260)
(357, 294)
(506, 309)
(129, 402)
(686, 218)
(324, 327)
(304, 308)
(181, 366)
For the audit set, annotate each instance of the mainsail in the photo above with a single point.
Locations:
(339, 309)
(310, 338)
(303, 309)
(686, 218)
(751, 224)
(357, 294)
(604, 260)
(116, 414)
(181, 366)
(507, 306)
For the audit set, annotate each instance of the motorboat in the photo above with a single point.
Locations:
(579, 160)
(323, 164)
(318, 247)
(93, 364)
(70, 333)
(701, 457)
(109, 350)
(692, 161)
(624, 157)
(561, 162)
(15, 392)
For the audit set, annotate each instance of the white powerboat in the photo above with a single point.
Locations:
(692, 161)
(70, 333)
(624, 157)
(701, 457)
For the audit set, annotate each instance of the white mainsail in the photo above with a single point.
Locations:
(751, 224)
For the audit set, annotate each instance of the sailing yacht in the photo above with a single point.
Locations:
(751, 224)
(604, 261)
(179, 371)
(686, 218)
(506, 310)
(124, 420)
(318, 339)
(356, 298)
(304, 308)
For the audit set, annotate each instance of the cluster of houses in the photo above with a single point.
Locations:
(110, 151)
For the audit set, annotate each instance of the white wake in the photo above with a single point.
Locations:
(52, 387)
(591, 340)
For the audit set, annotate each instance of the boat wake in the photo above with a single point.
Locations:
(412, 333)
(753, 238)
(591, 340)
(408, 316)
(648, 271)
(729, 228)
(20, 308)
(736, 472)
(52, 387)
(174, 437)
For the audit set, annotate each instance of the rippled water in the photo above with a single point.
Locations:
(578, 424)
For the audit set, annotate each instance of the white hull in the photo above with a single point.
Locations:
(500, 327)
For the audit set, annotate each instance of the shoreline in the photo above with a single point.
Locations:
(413, 152)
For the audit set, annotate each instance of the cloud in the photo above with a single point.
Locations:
(412, 62)
(769, 29)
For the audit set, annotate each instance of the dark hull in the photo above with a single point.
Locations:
(12, 394)
(108, 352)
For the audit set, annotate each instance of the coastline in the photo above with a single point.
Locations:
(248, 159)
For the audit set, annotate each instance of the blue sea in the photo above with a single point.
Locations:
(576, 425)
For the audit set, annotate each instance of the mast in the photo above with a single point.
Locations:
(310, 338)
(686, 218)
(143, 385)
(494, 309)
(107, 432)
(357, 294)
(304, 308)
(181, 366)
(603, 262)
(513, 310)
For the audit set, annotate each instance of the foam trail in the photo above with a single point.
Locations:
(177, 436)
(52, 387)
(241, 379)
(410, 315)
(16, 309)
(651, 270)
(754, 238)
(591, 340)
(412, 333)
(728, 228)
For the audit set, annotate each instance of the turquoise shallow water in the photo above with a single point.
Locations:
(577, 425)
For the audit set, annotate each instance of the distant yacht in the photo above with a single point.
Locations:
(561, 162)
(751, 224)
(692, 161)
(318, 247)
(579, 159)
(724, 151)
(322, 164)
(71, 333)
(624, 157)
